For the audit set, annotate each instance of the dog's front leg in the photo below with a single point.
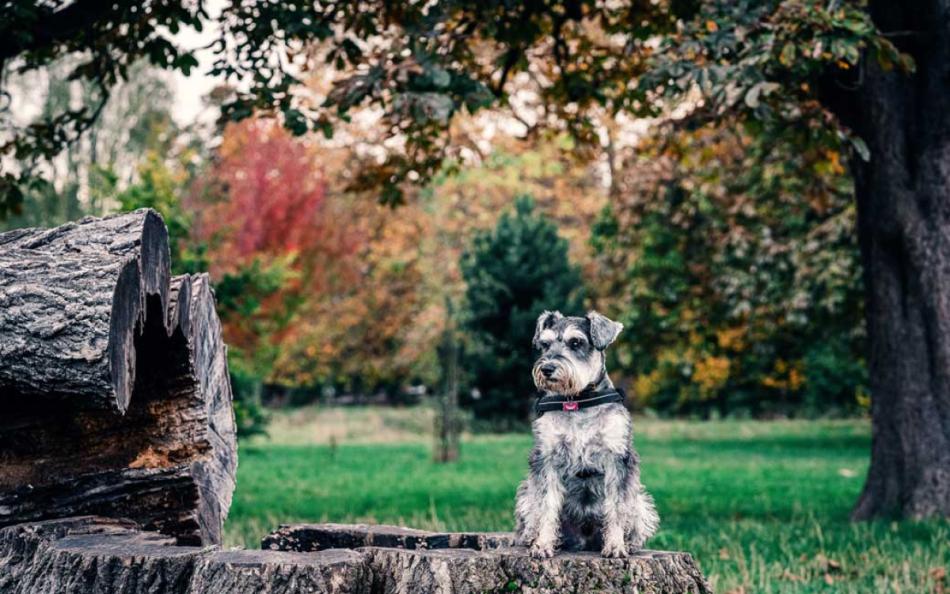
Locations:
(615, 483)
(549, 516)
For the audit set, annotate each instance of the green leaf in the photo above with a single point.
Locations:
(440, 78)
(861, 147)
(295, 121)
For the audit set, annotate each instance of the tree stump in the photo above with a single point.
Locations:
(114, 389)
(80, 555)
(407, 561)
(89, 554)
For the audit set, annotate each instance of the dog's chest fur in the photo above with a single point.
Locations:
(584, 441)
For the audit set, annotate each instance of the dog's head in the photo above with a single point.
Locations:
(571, 351)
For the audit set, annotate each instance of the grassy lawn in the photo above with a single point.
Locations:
(763, 506)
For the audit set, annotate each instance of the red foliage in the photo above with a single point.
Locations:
(265, 200)
(273, 193)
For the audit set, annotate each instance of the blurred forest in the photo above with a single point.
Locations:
(728, 254)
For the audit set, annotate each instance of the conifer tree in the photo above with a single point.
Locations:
(513, 273)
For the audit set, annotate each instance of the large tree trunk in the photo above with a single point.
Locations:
(903, 196)
(114, 390)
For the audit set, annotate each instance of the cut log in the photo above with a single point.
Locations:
(97, 555)
(114, 390)
(71, 300)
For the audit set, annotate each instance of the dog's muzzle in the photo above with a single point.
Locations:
(550, 373)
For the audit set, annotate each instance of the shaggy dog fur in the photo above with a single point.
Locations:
(583, 491)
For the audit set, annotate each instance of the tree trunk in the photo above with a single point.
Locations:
(903, 197)
(114, 390)
(447, 421)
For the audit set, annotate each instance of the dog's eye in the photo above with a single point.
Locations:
(545, 344)
(576, 343)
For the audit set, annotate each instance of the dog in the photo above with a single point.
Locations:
(583, 491)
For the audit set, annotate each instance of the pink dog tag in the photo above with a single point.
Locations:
(569, 406)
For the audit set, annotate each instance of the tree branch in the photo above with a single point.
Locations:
(55, 28)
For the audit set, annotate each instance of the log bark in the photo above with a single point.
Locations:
(83, 555)
(903, 197)
(464, 571)
(114, 389)
(252, 572)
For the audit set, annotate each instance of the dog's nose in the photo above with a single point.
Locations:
(548, 369)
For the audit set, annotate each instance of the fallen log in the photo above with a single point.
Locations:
(96, 555)
(114, 390)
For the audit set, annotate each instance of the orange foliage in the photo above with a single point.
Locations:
(368, 284)
(264, 201)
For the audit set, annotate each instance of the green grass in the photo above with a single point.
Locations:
(763, 506)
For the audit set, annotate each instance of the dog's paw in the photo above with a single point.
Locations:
(614, 551)
(541, 551)
(634, 547)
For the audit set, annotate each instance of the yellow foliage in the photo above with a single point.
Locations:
(646, 385)
(731, 338)
(787, 376)
(710, 374)
(862, 397)
(834, 162)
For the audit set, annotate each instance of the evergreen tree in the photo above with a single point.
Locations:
(513, 273)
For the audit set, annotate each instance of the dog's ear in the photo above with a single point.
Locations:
(603, 330)
(546, 320)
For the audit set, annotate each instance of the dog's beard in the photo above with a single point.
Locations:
(568, 379)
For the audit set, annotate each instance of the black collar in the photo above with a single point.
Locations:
(585, 399)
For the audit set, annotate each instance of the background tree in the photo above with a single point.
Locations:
(88, 174)
(260, 208)
(513, 273)
(732, 257)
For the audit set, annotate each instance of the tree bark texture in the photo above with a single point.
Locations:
(82, 555)
(71, 300)
(89, 555)
(903, 197)
(114, 390)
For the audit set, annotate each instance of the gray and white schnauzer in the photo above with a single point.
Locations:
(583, 491)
